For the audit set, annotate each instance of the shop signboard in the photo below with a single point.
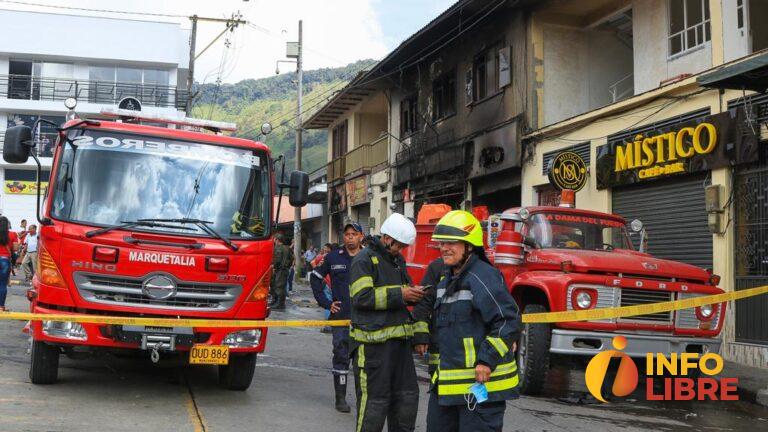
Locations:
(703, 144)
(21, 187)
(357, 190)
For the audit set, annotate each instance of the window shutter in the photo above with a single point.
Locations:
(468, 86)
(505, 73)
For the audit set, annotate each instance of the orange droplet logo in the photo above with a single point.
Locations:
(626, 377)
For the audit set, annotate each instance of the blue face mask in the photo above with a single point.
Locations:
(480, 392)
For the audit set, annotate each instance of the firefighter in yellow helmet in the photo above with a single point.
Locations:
(476, 324)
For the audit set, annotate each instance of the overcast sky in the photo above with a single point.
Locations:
(336, 32)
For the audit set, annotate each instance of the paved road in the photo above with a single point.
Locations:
(292, 391)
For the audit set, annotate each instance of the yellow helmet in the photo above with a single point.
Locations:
(459, 225)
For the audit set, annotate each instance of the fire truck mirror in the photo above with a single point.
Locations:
(18, 144)
(299, 189)
(529, 241)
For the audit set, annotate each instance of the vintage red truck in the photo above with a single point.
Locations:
(154, 222)
(563, 259)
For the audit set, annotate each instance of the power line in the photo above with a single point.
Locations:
(404, 66)
(92, 10)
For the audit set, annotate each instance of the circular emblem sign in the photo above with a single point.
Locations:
(129, 103)
(567, 171)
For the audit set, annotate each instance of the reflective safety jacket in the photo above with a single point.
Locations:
(476, 321)
(378, 309)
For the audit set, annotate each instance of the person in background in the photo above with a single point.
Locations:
(29, 262)
(291, 270)
(14, 237)
(337, 265)
(6, 249)
(23, 230)
(317, 262)
(280, 262)
(309, 255)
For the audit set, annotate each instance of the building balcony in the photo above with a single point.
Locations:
(25, 87)
(362, 159)
(336, 169)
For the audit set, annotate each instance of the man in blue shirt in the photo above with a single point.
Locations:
(337, 264)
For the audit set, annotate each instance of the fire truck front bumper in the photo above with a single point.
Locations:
(574, 342)
(140, 337)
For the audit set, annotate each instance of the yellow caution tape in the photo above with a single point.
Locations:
(544, 317)
(169, 322)
(628, 311)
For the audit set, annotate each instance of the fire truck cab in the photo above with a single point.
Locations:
(564, 259)
(154, 222)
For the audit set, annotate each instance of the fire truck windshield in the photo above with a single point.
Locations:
(105, 178)
(573, 231)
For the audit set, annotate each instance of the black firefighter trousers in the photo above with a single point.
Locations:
(385, 381)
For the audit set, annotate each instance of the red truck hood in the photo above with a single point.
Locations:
(619, 261)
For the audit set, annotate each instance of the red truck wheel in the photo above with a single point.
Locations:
(238, 374)
(44, 363)
(533, 353)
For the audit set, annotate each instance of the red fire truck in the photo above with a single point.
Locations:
(562, 259)
(147, 221)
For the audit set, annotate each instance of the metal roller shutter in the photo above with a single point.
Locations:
(674, 214)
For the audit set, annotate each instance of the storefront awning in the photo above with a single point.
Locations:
(748, 74)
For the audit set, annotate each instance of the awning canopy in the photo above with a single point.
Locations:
(750, 73)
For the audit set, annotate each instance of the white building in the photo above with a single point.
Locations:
(46, 58)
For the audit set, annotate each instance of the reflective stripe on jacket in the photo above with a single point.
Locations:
(476, 322)
(378, 309)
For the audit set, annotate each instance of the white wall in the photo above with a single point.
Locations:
(579, 67)
(54, 36)
(652, 64)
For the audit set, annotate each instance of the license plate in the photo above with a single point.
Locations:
(209, 355)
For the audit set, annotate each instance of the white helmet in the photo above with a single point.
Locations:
(399, 228)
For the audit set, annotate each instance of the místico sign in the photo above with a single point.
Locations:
(709, 142)
(567, 170)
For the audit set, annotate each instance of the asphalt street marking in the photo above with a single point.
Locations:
(193, 411)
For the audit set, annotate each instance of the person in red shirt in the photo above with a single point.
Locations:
(7, 246)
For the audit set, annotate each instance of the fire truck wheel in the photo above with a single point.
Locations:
(238, 374)
(533, 353)
(44, 365)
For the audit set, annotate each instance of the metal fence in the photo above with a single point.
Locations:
(106, 92)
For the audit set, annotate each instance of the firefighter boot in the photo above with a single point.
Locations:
(340, 385)
(280, 303)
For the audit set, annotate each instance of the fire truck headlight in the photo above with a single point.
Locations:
(583, 299)
(705, 312)
(243, 339)
(64, 329)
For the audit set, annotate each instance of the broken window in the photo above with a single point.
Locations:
(408, 116)
(444, 96)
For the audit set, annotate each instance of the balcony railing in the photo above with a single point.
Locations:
(43, 148)
(336, 169)
(104, 92)
(367, 156)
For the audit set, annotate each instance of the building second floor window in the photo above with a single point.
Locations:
(489, 74)
(339, 140)
(444, 96)
(688, 25)
(409, 114)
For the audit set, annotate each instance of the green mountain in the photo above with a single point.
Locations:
(250, 103)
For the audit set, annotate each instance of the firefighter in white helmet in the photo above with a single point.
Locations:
(382, 330)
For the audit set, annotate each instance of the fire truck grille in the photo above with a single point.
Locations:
(632, 297)
(126, 291)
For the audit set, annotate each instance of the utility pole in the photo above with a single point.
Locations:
(231, 23)
(297, 210)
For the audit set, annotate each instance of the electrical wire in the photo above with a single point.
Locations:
(112, 11)
(406, 65)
